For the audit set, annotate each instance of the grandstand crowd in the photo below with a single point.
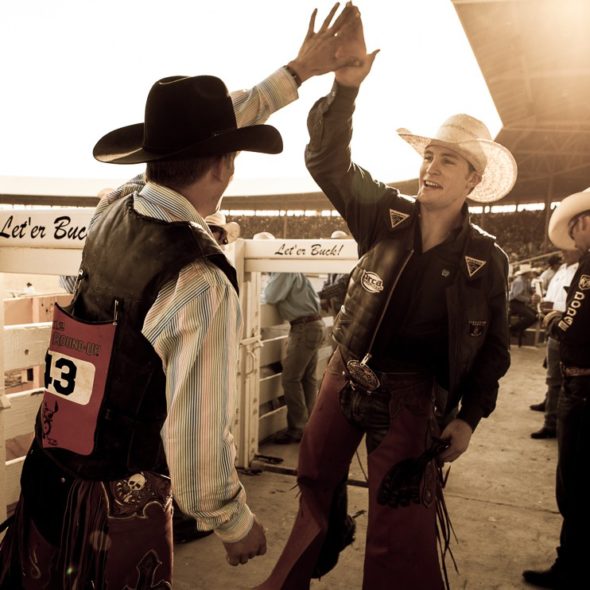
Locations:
(521, 234)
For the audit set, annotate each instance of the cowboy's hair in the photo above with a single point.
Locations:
(180, 173)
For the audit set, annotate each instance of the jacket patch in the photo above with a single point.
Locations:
(584, 283)
(397, 217)
(477, 327)
(371, 282)
(473, 265)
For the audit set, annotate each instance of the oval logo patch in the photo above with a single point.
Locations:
(372, 282)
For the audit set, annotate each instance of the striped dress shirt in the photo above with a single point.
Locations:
(195, 326)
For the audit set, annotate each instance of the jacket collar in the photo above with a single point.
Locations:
(473, 244)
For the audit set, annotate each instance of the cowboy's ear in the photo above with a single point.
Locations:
(219, 167)
(222, 165)
(473, 179)
(229, 161)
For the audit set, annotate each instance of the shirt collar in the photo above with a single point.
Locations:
(168, 205)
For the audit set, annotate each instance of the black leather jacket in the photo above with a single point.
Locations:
(383, 222)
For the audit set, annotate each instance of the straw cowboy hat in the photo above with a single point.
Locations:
(569, 208)
(524, 269)
(185, 117)
(471, 139)
(230, 231)
(338, 234)
(263, 235)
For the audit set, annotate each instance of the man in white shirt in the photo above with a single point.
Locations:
(553, 305)
(553, 264)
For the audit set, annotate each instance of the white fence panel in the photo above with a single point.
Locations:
(50, 243)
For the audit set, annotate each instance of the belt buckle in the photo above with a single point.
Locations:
(362, 374)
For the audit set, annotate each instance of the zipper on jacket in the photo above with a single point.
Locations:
(386, 306)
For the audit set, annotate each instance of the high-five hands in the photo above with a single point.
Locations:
(353, 45)
(321, 51)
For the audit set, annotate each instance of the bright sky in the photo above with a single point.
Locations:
(73, 70)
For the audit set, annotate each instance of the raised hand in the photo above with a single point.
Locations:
(320, 51)
(352, 45)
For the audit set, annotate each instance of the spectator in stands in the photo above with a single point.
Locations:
(298, 303)
(158, 399)
(569, 227)
(553, 306)
(426, 306)
(522, 297)
(553, 263)
(223, 232)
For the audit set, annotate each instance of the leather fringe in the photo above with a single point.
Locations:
(84, 541)
(444, 526)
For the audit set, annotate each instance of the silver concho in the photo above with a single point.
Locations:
(362, 375)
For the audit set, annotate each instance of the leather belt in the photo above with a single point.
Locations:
(575, 371)
(305, 319)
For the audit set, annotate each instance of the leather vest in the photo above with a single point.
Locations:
(374, 279)
(126, 260)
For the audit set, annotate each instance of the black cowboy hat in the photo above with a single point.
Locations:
(185, 117)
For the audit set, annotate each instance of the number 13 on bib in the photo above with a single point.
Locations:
(76, 373)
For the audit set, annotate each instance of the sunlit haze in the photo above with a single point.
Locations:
(73, 70)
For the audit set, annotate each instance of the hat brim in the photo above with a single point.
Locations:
(500, 172)
(125, 145)
(560, 218)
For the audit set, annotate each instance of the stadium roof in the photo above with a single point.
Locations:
(535, 58)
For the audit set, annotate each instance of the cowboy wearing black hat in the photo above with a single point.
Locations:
(142, 367)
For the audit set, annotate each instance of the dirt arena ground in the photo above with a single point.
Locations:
(500, 495)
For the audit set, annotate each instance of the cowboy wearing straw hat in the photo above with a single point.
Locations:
(223, 231)
(521, 299)
(425, 312)
(142, 370)
(569, 227)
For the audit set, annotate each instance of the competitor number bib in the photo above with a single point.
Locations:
(76, 370)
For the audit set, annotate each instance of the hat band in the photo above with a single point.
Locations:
(190, 141)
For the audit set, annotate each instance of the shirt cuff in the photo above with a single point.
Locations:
(343, 95)
(279, 89)
(470, 414)
(238, 527)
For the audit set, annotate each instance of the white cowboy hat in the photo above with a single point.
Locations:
(263, 235)
(338, 234)
(231, 229)
(563, 214)
(523, 269)
(471, 139)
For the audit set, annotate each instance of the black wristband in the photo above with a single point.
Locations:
(294, 75)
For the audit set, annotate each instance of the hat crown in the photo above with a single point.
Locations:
(182, 110)
(338, 234)
(216, 218)
(263, 235)
(466, 132)
(460, 128)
